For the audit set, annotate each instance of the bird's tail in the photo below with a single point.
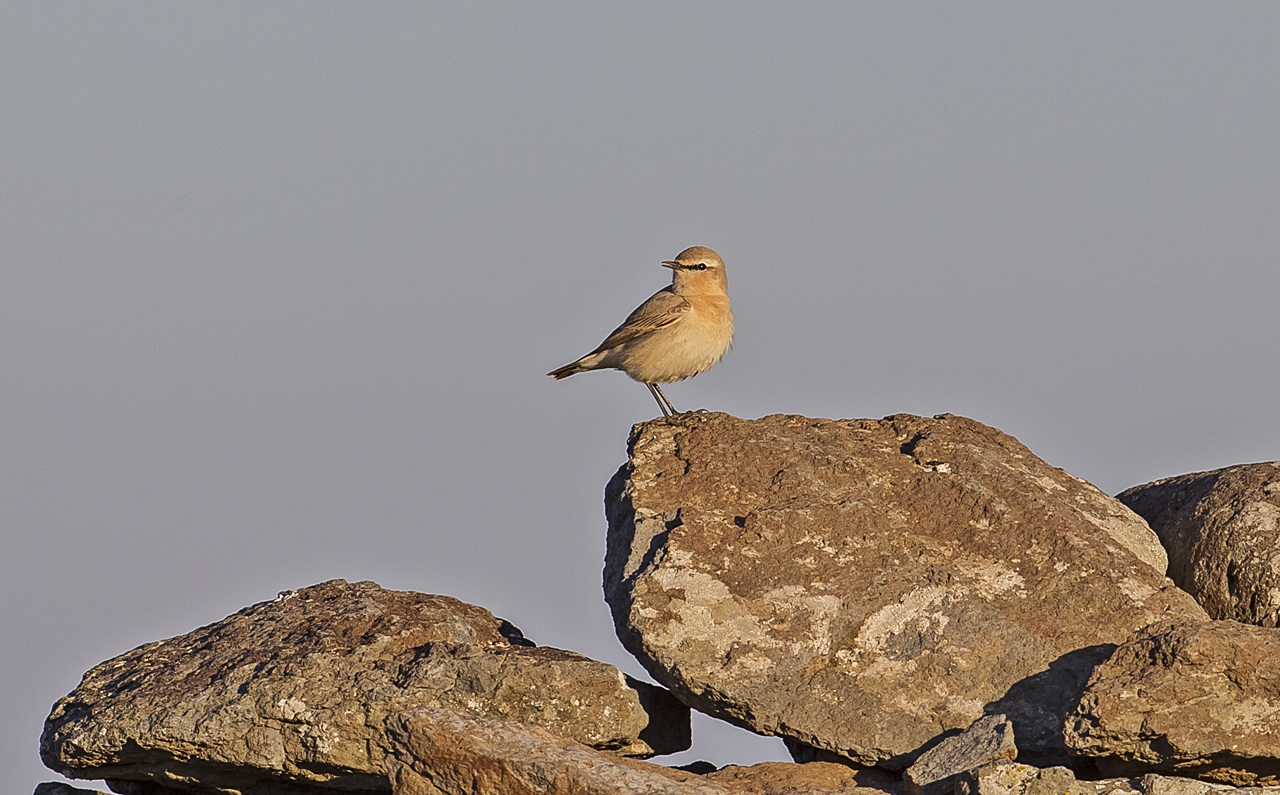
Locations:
(567, 370)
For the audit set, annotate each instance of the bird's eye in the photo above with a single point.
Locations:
(702, 266)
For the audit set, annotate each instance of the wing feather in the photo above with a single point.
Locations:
(662, 309)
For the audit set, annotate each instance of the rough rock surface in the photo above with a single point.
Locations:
(1222, 530)
(291, 695)
(863, 586)
(935, 772)
(1012, 778)
(1200, 700)
(1153, 784)
(440, 752)
(814, 778)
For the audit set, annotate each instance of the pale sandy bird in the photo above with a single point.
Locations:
(681, 331)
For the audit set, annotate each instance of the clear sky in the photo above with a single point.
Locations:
(280, 282)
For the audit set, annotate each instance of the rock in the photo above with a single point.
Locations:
(935, 772)
(1155, 784)
(1222, 530)
(1152, 784)
(1116, 786)
(1013, 778)
(291, 695)
(1199, 700)
(440, 752)
(814, 778)
(863, 586)
(59, 788)
(125, 787)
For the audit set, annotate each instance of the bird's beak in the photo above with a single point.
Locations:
(671, 265)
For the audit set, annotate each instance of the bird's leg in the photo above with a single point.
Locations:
(664, 398)
(653, 390)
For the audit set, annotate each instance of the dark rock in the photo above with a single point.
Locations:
(61, 788)
(1222, 531)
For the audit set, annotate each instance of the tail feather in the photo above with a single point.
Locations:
(566, 371)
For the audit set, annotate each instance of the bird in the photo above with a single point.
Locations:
(682, 330)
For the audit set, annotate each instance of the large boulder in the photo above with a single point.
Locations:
(441, 752)
(1222, 531)
(291, 696)
(1199, 700)
(864, 586)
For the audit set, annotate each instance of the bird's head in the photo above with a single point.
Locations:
(698, 270)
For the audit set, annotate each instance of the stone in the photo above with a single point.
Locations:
(1222, 531)
(126, 787)
(1008, 778)
(1200, 700)
(441, 752)
(989, 738)
(1115, 786)
(61, 788)
(291, 695)
(1011, 778)
(813, 778)
(1153, 784)
(864, 586)
(1014, 778)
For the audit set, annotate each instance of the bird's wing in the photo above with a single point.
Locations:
(662, 309)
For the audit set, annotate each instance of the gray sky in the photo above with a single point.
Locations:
(280, 282)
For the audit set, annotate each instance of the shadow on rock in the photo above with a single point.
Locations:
(1039, 704)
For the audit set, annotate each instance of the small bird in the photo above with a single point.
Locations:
(681, 331)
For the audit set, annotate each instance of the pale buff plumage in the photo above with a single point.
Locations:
(681, 331)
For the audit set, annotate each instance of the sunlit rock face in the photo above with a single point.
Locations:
(292, 695)
(863, 586)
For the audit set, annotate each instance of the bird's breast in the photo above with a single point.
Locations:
(686, 348)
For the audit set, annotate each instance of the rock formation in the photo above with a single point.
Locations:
(1198, 700)
(291, 696)
(910, 593)
(864, 586)
(1222, 530)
